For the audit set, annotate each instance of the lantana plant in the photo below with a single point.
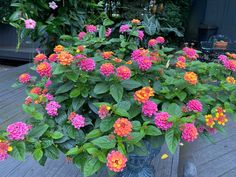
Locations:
(97, 99)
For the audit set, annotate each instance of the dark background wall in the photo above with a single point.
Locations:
(222, 13)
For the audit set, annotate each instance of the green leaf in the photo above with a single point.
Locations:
(107, 22)
(52, 152)
(121, 148)
(130, 84)
(72, 76)
(171, 140)
(107, 124)
(136, 125)
(152, 130)
(174, 110)
(75, 93)
(181, 95)
(77, 103)
(57, 135)
(91, 166)
(116, 92)
(74, 151)
(18, 151)
(104, 142)
(94, 134)
(157, 86)
(38, 131)
(124, 105)
(122, 112)
(135, 137)
(101, 88)
(102, 31)
(60, 69)
(38, 154)
(65, 88)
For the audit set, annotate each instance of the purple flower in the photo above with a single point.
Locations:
(53, 5)
(30, 24)
(140, 35)
(124, 28)
(52, 108)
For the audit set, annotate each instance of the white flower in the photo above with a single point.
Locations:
(53, 5)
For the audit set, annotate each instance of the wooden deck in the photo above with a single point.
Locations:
(212, 160)
(10, 111)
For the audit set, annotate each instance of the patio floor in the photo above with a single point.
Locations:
(10, 111)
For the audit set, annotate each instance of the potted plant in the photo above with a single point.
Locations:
(105, 100)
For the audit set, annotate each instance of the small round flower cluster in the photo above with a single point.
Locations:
(24, 78)
(103, 111)
(230, 80)
(53, 57)
(87, 64)
(149, 108)
(78, 121)
(80, 48)
(160, 40)
(39, 58)
(136, 54)
(4, 149)
(228, 64)
(52, 108)
(44, 69)
(194, 105)
(65, 58)
(189, 132)
(161, 121)
(91, 28)
(123, 72)
(18, 130)
(220, 116)
(116, 161)
(106, 69)
(144, 63)
(181, 62)
(108, 32)
(190, 53)
(107, 55)
(191, 78)
(209, 120)
(36, 90)
(122, 127)
(124, 28)
(81, 35)
(143, 94)
(140, 35)
(231, 55)
(152, 42)
(135, 21)
(58, 49)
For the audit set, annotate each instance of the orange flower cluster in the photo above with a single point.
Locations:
(107, 55)
(180, 64)
(65, 58)
(36, 90)
(80, 48)
(116, 161)
(220, 117)
(58, 48)
(135, 21)
(71, 116)
(231, 55)
(191, 78)
(143, 94)
(129, 62)
(230, 80)
(117, 60)
(40, 57)
(122, 127)
(209, 120)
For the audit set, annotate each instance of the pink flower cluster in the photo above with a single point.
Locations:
(78, 121)
(124, 28)
(194, 105)
(49, 97)
(152, 42)
(106, 69)
(4, 148)
(44, 69)
(123, 72)
(18, 130)
(87, 64)
(149, 108)
(190, 53)
(91, 28)
(52, 108)
(81, 35)
(103, 111)
(161, 121)
(24, 78)
(48, 83)
(140, 35)
(228, 64)
(53, 57)
(144, 63)
(30, 24)
(160, 40)
(136, 54)
(189, 132)
(108, 32)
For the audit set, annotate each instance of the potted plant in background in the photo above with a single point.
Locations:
(115, 101)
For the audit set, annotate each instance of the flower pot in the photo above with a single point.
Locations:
(140, 166)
